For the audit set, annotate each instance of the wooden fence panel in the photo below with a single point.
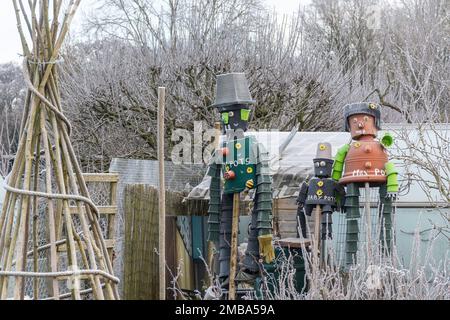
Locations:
(141, 238)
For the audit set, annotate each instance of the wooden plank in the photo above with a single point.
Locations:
(111, 232)
(288, 226)
(292, 211)
(288, 235)
(286, 203)
(172, 254)
(294, 242)
(101, 177)
(287, 216)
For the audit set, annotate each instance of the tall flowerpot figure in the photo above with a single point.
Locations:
(321, 193)
(240, 165)
(365, 163)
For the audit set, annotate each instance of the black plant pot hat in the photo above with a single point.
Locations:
(232, 92)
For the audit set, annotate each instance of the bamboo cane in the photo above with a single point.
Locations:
(162, 195)
(234, 246)
(50, 209)
(43, 124)
(35, 224)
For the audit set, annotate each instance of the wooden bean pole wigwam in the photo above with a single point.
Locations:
(41, 242)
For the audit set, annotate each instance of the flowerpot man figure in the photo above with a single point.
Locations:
(243, 165)
(321, 193)
(364, 163)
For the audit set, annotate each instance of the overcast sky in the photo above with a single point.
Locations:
(10, 47)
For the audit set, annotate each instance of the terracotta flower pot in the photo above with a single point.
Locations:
(365, 162)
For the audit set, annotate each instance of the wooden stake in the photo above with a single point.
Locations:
(368, 220)
(317, 216)
(162, 195)
(234, 247)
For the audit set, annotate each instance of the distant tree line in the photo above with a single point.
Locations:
(303, 68)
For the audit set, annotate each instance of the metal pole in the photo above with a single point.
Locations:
(162, 195)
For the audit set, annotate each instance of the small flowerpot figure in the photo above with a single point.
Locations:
(321, 193)
(242, 164)
(364, 163)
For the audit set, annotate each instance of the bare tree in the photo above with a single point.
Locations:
(416, 64)
(12, 95)
(303, 68)
(111, 84)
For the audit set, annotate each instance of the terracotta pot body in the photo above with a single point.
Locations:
(365, 162)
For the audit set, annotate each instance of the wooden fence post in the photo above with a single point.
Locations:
(162, 194)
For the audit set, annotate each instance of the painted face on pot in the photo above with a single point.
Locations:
(323, 168)
(235, 120)
(362, 125)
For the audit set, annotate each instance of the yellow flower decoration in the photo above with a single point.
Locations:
(319, 192)
(238, 146)
(372, 106)
(322, 147)
(249, 170)
(227, 168)
(320, 183)
(357, 144)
